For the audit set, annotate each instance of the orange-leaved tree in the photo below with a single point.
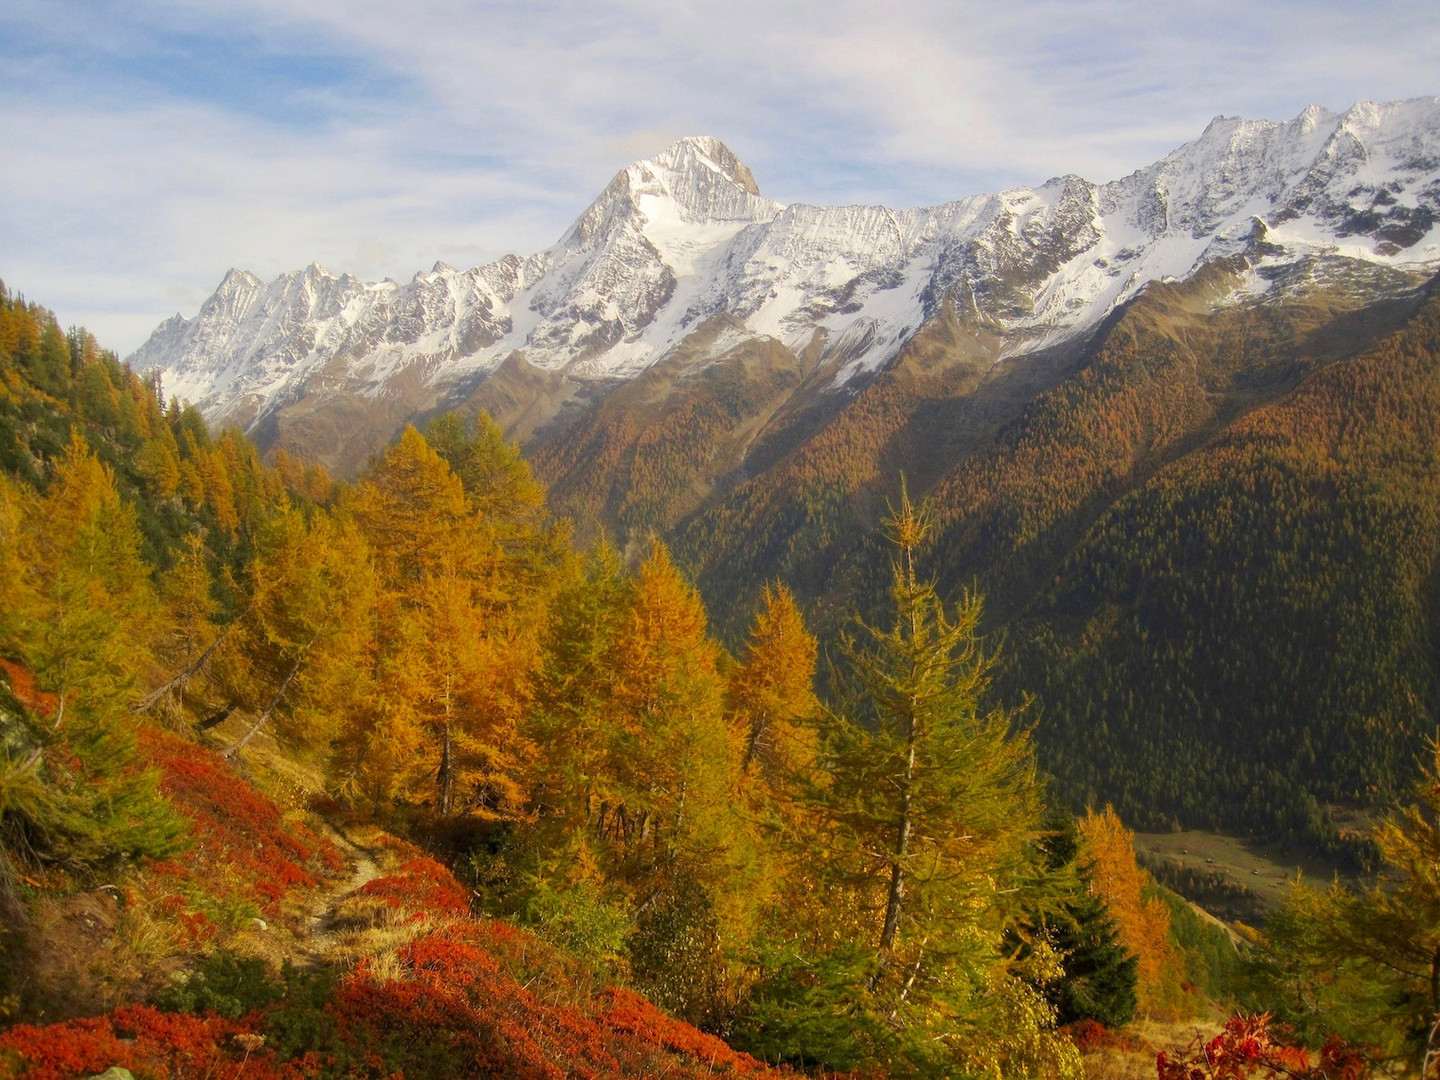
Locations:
(1144, 920)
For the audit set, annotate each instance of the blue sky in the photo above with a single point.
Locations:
(149, 145)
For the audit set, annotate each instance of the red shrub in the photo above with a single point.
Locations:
(138, 1038)
(240, 835)
(78, 1048)
(447, 961)
(460, 1012)
(195, 928)
(1248, 1048)
(421, 884)
(628, 1011)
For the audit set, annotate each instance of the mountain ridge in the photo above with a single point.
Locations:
(679, 238)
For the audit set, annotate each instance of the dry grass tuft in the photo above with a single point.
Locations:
(1131, 1055)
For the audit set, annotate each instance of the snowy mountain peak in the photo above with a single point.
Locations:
(236, 278)
(236, 283)
(697, 180)
(1311, 118)
(690, 161)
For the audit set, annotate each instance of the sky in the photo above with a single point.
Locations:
(147, 146)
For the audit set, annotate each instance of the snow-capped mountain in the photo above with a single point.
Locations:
(685, 236)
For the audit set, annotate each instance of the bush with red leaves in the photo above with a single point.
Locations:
(143, 1040)
(629, 1012)
(474, 997)
(421, 884)
(241, 839)
(1249, 1048)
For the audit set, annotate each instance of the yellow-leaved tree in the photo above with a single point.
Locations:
(85, 604)
(454, 650)
(772, 694)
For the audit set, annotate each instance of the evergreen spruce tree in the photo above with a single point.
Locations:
(1099, 982)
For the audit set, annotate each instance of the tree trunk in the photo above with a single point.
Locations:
(896, 898)
(1435, 983)
(239, 744)
(1432, 1044)
(897, 864)
(179, 681)
(218, 717)
(910, 982)
(674, 836)
(446, 775)
(757, 729)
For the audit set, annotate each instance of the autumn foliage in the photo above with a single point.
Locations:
(423, 884)
(1144, 920)
(457, 1000)
(1250, 1047)
(139, 1038)
(242, 841)
(857, 882)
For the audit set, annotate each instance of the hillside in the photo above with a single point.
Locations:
(1277, 587)
(421, 653)
(1206, 543)
(162, 912)
(384, 969)
(386, 778)
(1056, 368)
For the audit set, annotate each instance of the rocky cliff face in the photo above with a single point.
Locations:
(683, 243)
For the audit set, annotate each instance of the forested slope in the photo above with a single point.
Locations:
(1228, 651)
(614, 804)
(1253, 627)
(423, 652)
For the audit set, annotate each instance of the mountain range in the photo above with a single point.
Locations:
(681, 258)
(1178, 428)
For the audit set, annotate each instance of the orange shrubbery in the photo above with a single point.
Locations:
(139, 1038)
(460, 1001)
(626, 1011)
(421, 884)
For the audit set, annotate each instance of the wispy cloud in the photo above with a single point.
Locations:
(151, 144)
